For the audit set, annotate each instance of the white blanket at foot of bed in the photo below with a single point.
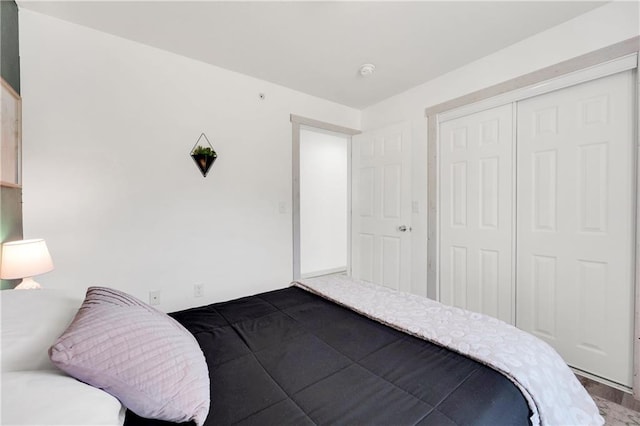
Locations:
(553, 392)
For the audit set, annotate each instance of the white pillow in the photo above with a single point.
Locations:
(31, 321)
(53, 398)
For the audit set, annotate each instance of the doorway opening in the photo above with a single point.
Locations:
(324, 202)
(321, 198)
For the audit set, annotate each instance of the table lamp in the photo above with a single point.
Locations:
(25, 259)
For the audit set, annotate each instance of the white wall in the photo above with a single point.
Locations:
(108, 125)
(323, 201)
(599, 28)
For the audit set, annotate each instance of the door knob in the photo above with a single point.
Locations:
(403, 228)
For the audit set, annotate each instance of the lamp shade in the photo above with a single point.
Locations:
(25, 258)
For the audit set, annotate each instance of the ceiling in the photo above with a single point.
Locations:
(318, 47)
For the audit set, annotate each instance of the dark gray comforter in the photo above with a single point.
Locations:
(289, 357)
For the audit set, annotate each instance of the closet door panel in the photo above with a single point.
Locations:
(575, 210)
(476, 208)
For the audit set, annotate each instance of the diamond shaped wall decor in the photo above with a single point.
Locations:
(203, 154)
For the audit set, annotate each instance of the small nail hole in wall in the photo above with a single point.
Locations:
(261, 96)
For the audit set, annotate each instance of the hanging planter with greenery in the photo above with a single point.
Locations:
(203, 156)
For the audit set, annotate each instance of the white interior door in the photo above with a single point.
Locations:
(476, 209)
(381, 214)
(575, 235)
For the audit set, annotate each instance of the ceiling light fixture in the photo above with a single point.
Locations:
(367, 69)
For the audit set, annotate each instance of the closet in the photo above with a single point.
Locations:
(537, 207)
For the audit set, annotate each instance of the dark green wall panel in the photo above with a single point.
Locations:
(9, 47)
(10, 198)
(10, 221)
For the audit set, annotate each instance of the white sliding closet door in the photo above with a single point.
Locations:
(476, 204)
(575, 209)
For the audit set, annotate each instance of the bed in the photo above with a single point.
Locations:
(335, 351)
(32, 390)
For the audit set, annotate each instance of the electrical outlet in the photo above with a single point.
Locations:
(154, 297)
(198, 290)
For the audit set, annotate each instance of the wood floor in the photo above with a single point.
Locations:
(614, 395)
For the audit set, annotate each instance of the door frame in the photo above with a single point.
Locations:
(609, 60)
(296, 123)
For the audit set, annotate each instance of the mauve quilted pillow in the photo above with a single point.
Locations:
(138, 354)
